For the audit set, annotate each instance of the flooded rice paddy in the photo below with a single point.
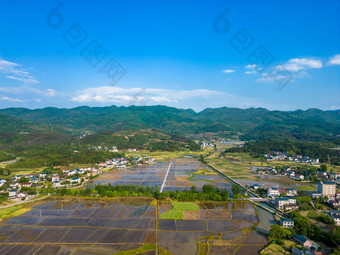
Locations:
(181, 176)
(108, 226)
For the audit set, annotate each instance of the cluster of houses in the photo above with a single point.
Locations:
(287, 202)
(303, 159)
(72, 176)
(14, 187)
(309, 246)
(276, 155)
(66, 178)
(115, 163)
(283, 155)
(335, 215)
(335, 177)
(2, 182)
(328, 189)
(99, 148)
(293, 174)
(124, 162)
(287, 171)
(207, 144)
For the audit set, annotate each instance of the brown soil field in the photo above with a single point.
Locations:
(107, 226)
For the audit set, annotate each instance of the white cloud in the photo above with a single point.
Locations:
(251, 69)
(6, 66)
(13, 99)
(163, 99)
(28, 94)
(253, 66)
(292, 69)
(335, 107)
(51, 92)
(335, 60)
(196, 98)
(297, 64)
(14, 71)
(228, 70)
(29, 91)
(128, 95)
(267, 78)
(27, 79)
(250, 72)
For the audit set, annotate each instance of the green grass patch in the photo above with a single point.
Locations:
(280, 249)
(162, 251)
(200, 180)
(144, 248)
(177, 210)
(202, 171)
(306, 188)
(312, 214)
(195, 180)
(154, 202)
(274, 249)
(13, 211)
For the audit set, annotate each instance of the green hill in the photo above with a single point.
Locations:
(252, 123)
(140, 139)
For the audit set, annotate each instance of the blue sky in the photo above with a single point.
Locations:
(282, 55)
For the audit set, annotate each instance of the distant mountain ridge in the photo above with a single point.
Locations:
(252, 123)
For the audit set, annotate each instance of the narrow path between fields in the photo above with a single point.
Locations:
(166, 176)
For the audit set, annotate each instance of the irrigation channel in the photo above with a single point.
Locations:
(265, 205)
(252, 194)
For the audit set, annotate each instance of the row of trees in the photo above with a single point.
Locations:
(208, 192)
(238, 192)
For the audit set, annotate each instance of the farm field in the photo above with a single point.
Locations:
(235, 164)
(132, 225)
(167, 155)
(274, 180)
(182, 175)
(239, 166)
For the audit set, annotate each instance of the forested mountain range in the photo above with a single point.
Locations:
(247, 124)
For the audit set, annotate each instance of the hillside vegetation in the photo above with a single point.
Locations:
(247, 124)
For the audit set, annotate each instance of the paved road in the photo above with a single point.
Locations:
(23, 202)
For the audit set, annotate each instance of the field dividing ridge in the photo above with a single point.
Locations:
(166, 176)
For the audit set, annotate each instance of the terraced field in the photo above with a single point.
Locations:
(133, 225)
